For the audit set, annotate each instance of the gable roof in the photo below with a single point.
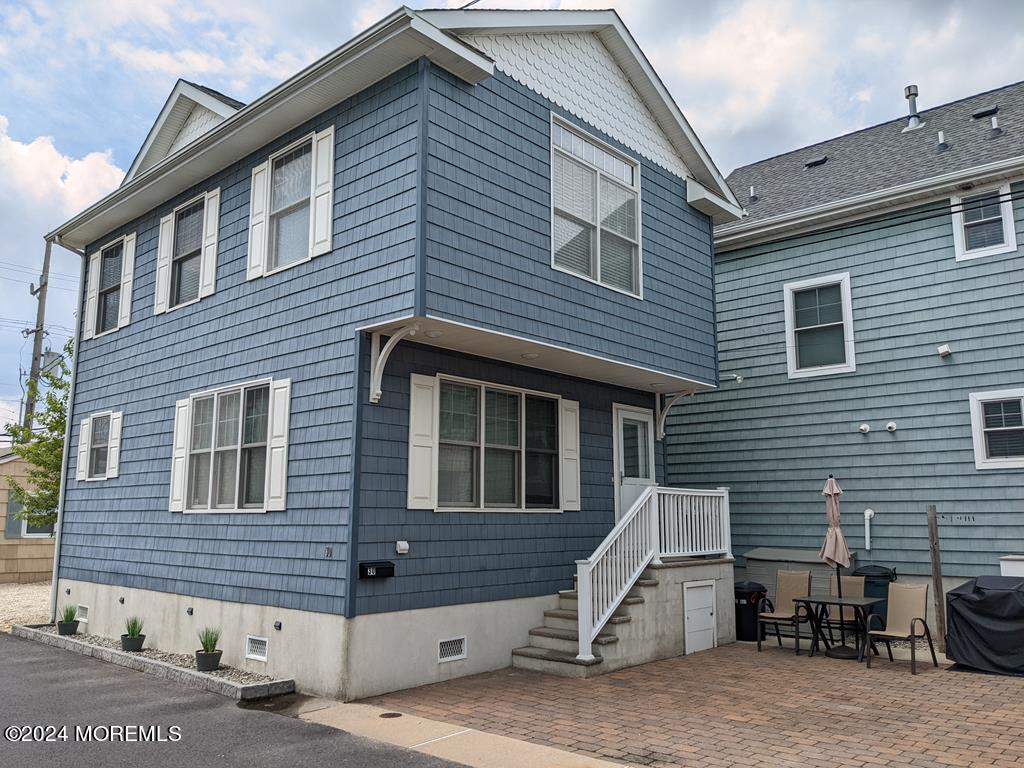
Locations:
(186, 100)
(616, 38)
(396, 41)
(870, 168)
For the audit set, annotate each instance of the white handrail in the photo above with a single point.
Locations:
(676, 522)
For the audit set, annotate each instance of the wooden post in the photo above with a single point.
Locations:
(940, 597)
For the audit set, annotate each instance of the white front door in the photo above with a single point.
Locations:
(699, 615)
(634, 455)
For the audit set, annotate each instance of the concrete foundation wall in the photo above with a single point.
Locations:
(309, 647)
(392, 651)
(657, 630)
(326, 655)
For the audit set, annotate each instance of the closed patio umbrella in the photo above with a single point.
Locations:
(836, 554)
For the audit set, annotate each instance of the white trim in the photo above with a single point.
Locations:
(110, 472)
(714, 606)
(241, 387)
(793, 370)
(401, 38)
(249, 654)
(168, 282)
(93, 311)
(463, 655)
(652, 371)
(632, 161)
(1006, 214)
(26, 535)
(646, 413)
(981, 458)
(522, 393)
(861, 207)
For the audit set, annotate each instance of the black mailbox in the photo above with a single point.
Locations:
(378, 569)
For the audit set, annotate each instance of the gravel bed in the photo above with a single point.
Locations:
(24, 604)
(177, 659)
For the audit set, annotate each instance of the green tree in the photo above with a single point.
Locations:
(43, 447)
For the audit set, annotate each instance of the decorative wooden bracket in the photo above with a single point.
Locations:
(661, 412)
(379, 357)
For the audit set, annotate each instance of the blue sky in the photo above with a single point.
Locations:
(82, 81)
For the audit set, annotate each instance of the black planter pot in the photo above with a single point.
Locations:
(208, 662)
(132, 643)
(67, 627)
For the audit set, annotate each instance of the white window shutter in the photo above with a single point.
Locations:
(164, 249)
(92, 296)
(259, 203)
(179, 456)
(569, 419)
(127, 276)
(277, 445)
(322, 223)
(82, 465)
(423, 448)
(208, 259)
(114, 449)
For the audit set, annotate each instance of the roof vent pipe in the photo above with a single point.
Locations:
(942, 145)
(996, 130)
(753, 196)
(913, 120)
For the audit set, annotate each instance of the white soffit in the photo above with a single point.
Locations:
(398, 40)
(537, 49)
(495, 345)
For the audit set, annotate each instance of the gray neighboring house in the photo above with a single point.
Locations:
(367, 365)
(872, 301)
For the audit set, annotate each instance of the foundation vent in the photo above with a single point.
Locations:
(83, 614)
(452, 649)
(256, 648)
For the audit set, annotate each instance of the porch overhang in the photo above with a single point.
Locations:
(531, 353)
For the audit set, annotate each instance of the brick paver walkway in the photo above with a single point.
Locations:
(733, 707)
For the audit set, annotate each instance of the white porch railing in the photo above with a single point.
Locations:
(674, 522)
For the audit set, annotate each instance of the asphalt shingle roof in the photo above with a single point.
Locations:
(235, 103)
(882, 156)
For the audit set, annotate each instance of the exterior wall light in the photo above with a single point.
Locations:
(890, 427)
(864, 428)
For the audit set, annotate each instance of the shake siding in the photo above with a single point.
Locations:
(488, 243)
(300, 324)
(774, 440)
(464, 557)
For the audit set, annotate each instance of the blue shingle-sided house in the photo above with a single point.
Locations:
(871, 302)
(371, 368)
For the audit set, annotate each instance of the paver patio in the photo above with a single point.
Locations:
(734, 707)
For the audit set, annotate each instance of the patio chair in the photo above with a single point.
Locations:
(908, 605)
(788, 585)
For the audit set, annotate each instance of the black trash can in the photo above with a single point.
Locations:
(748, 595)
(876, 584)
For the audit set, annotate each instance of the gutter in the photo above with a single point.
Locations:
(860, 206)
(67, 430)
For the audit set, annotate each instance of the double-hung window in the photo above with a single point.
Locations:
(596, 211)
(230, 449)
(291, 209)
(983, 224)
(997, 421)
(186, 268)
(99, 446)
(476, 446)
(108, 301)
(819, 326)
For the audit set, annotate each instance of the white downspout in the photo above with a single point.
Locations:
(67, 432)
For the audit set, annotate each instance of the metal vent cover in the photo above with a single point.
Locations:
(452, 649)
(256, 648)
(83, 614)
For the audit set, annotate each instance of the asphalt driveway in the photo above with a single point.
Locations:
(40, 686)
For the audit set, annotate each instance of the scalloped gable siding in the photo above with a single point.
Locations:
(488, 239)
(774, 440)
(566, 69)
(198, 122)
(299, 323)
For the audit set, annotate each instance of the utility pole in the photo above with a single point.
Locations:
(37, 342)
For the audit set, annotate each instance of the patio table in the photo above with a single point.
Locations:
(816, 606)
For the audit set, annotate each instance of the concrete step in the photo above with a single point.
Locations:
(569, 600)
(561, 618)
(565, 639)
(553, 662)
(647, 582)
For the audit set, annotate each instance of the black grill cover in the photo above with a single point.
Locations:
(985, 624)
